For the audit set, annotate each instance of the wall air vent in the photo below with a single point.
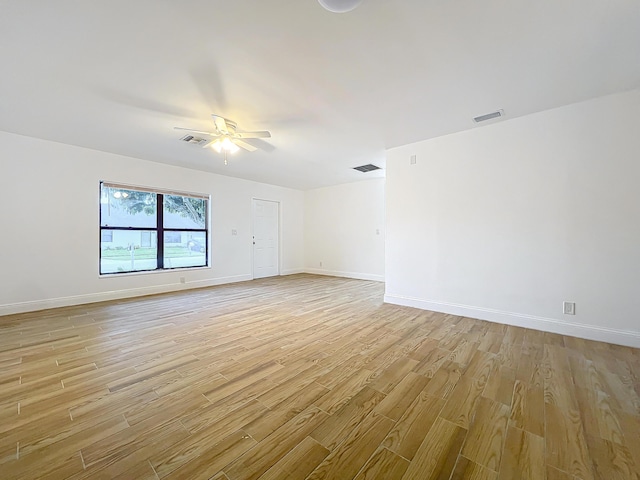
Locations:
(488, 116)
(194, 140)
(366, 168)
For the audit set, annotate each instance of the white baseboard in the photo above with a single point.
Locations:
(335, 273)
(293, 271)
(589, 332)
(35, 305)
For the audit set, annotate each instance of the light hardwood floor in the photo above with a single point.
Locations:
(307, 377)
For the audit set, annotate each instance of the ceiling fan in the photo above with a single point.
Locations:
(227, 138)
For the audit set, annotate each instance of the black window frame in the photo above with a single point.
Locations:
(159, 228)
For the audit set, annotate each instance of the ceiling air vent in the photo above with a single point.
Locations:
(488, 116)
(194, 140)
(366, 168)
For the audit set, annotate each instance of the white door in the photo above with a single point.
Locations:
(265, 238)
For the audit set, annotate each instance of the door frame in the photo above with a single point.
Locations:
(253, 273)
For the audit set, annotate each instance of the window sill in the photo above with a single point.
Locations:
(151, 272)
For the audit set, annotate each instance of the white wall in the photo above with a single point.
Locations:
(505, 222)
(49, 236)
(344, 229)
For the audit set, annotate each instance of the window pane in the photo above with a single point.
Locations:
(106, 236)
(127, 208)
(184, 212)
(173, 237)
(129, 251)
(185, 249)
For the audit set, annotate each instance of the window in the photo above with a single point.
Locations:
(147, 229)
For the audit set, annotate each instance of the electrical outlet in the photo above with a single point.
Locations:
(413, 160)
(234, 232)
(182, 280)
(569, 308)
(320, 264)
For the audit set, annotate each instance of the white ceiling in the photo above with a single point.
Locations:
(334, 90)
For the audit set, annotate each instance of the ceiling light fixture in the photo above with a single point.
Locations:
(225, 145)
(339, 6)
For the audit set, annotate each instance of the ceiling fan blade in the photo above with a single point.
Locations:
(213, 134)
(244, 145)
(260, 134)
(221, 124)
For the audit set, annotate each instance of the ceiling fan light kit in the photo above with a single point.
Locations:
(339, 6)
(224, 144)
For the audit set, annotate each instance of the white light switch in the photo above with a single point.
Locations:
(234, 232)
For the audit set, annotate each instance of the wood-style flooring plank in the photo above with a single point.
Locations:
(523, 457)
(408, 433)
(344, 420)
(485, 440)
(460, 408)
(527, 408)
(437, 455)
(344, 462)
(270, 420)
(253, 463)
(211, 459)
(383, 464)
(467, 470)
(299, 462)
(566, 446)
(395, 404)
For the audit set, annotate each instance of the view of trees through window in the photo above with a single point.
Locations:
(143, 230)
